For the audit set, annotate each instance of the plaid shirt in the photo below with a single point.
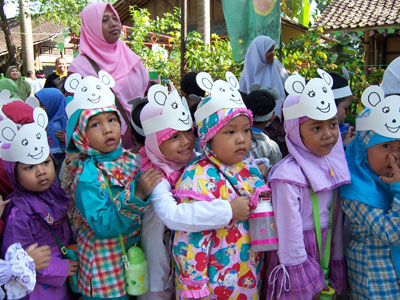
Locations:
(370, 268)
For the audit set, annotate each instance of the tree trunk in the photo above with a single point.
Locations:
(203, 20)
(12, 58)
(26, 37)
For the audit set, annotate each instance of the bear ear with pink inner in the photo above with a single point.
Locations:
(384, 115)
(316, 97)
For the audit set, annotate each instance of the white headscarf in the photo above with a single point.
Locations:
(257, 70)
(391, 78)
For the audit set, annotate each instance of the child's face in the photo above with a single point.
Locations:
(36, 178)
(342, 109)
(179, 147)
(378, 157)
(232, 143)
(320, 137)
(104, 132)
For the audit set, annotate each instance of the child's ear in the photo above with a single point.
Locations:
(72, 82)
(204, 81)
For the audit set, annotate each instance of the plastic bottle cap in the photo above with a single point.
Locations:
(135, 255)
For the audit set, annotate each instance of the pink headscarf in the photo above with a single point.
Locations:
(151, 154)
(131, 78)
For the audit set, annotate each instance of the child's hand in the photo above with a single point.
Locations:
(73, 267)
(240, 208)
(264, 170)
(41, 255)
(349, 136)
(147, 182)
(395, 174)
(60, 135)
(3, 205)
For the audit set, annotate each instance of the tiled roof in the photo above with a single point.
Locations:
(41, 31)
(359, 14)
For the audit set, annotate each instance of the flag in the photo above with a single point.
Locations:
(247, 19)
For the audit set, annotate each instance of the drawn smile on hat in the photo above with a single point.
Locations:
(96, 100)
(326, 109)
(38, 155)
(392, 129)
(186, 121)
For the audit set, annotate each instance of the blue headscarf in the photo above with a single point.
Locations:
(366, 187)
(54, 102)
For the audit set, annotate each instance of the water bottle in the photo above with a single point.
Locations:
(262, 227)
(137, 272)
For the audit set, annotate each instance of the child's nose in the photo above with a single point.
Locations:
(41, 169)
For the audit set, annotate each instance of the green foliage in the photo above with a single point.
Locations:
(163, 35)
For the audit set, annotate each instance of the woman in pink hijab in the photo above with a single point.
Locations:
(99, 40)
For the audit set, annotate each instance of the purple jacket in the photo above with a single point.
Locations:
(26, 218)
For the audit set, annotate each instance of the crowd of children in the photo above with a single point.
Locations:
(189, 207)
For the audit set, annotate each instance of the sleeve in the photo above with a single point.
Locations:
(190, 217)
(337, 264)
(18, 230)
(2, 225)
(305, 275)
(191, 254)
(384, 226)
(5, 271)
(105, 217)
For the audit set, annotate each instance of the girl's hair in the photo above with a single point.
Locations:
(338, 82)
(260, 102)
(135, 114)
(190, 86)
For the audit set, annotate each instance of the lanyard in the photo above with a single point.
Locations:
(324, 260)
(121, 240)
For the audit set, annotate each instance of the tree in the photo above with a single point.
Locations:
(57, 11)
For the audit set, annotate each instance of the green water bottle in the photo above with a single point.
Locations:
(137, 273)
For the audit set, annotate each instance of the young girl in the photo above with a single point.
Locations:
(169, 149)
(38, 208)
(312, 171)
(219, 263)
(105, 188)
(371, 201)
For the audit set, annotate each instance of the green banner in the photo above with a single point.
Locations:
(247, 19)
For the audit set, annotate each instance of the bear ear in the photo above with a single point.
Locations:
(204, 81)
(4, 96)
(106, 78)
(72, 82)
(32, 102)
(326, 77)
(157, 95)
(8, 131)
(295, 85)
(40, 117)
(372, 96)
(232, 80)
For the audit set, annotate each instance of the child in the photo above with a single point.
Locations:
(105, 188)
(219, 263)
(169, 147)
(343, 99)
(315, 165)
(262, 102)
(38, 208)
(54, 103)
(371, 201)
